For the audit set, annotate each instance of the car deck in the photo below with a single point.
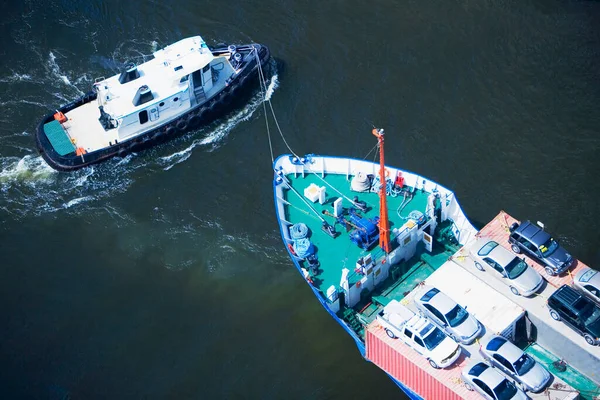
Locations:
(409, 367)
(496, 311)
(552, 335)
(497, 229)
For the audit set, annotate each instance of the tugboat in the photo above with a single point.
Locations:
(185, 85)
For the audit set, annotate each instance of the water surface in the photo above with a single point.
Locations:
(163, 274)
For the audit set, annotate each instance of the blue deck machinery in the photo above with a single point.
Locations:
(364, 231)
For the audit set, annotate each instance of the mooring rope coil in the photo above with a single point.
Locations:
(299, 231)
(303, 247)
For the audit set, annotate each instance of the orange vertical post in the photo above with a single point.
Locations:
(384, 223)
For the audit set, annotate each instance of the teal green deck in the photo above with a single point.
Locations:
(404, 278)
(58, 138)
(339, 253)
(336, 254)
(587, 388)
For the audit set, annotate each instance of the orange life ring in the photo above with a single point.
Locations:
(291, 248)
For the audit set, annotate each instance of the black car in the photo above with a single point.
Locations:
(538, 244)
(577, 311)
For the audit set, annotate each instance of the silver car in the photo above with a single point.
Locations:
(489, 383)
(511, 360)
(587, 281)
(514, 271)
(447, 314)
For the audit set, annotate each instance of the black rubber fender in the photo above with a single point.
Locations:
(226, 98)
(181, 125)
(194, 121)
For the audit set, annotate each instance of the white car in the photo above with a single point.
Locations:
(489, 383)
(587, 281)
(512, 270)
(511, 360)
(420, 334)
(447, 314)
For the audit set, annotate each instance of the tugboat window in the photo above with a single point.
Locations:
(176, 98)
(206, 67)
(177, 68)
(161, 104)
(184, 79)
(143, 116)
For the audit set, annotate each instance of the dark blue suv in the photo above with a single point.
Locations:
(539, 245)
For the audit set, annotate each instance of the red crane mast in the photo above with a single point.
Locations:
(384, 223)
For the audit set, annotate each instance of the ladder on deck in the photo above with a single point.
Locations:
(200, 95)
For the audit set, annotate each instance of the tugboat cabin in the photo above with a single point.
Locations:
(180, 77)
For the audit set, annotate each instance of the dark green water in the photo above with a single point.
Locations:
(163, 275)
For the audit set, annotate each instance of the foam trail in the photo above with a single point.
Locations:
(28, 168)
(78, 200)
(274, 84)
(16, 77)
(79, 181)
(24, 133)
(180, 156)
(55, 69)
(28, 186)
(125, 160)
(22, 101)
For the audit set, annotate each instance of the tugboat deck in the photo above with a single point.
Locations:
(85, 130)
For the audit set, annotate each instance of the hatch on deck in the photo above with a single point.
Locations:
(58, 137)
